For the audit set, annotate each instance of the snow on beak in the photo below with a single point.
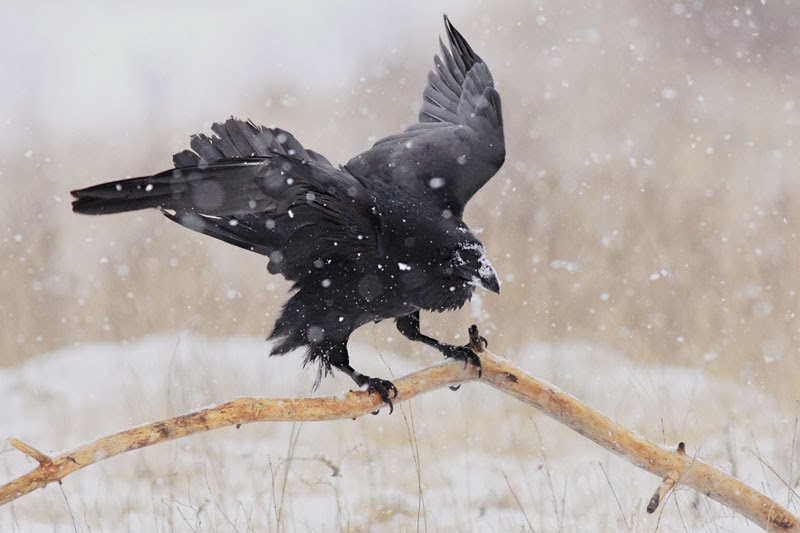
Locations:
(472, 264)
(488, 278)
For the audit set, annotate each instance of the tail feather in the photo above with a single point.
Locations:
(120, 196)
(256, 188)
(215, 178)
(228, 188)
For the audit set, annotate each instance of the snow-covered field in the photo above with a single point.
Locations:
(472, 460)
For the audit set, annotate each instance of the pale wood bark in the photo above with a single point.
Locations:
(673, 466)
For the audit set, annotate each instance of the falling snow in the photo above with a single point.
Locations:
(651, 170)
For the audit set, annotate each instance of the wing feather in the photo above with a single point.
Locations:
(257, 188)
(459, 136)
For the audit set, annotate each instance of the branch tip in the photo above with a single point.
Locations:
(667, 484)
(30, 451)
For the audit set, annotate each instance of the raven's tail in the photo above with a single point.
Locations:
(123, 195)
(212, 180)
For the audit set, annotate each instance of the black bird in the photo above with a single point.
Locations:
(380, 237)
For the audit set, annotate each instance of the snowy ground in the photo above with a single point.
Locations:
(473, 460)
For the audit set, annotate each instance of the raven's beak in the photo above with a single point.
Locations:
(476, 269)
(489, 280)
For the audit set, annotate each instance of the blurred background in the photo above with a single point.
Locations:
(645, 227)
(649, 201)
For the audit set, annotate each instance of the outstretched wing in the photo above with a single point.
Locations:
(458, 143)
(259, 189)
(237, 139)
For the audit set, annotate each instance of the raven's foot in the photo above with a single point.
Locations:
(381, 387)
(463, 353)
(477, 341)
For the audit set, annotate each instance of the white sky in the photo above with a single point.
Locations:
(75, 65)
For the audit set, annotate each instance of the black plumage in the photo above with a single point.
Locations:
(380, 237)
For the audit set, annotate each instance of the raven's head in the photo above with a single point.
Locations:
(469, 262)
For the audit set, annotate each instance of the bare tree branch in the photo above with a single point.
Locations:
(673, 466)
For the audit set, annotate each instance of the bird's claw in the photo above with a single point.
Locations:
(465, 354)
(382, 387)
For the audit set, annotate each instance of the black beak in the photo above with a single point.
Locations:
(490, 282)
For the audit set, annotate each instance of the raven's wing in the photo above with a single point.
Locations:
(237, 139)
(257, 188)
(458, 143)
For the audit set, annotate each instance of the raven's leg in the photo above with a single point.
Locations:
(339, 358)
(408, 325)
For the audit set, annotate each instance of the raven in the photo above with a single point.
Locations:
(380, 237)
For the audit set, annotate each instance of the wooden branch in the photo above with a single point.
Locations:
(672, 466)
(667, 484)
